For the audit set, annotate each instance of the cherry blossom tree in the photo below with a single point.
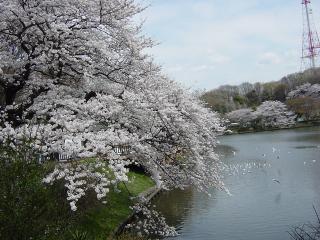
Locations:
(274, 114)
(305, 90)
(270, 114)
(244, 117)
(76, 81)
(305, 101)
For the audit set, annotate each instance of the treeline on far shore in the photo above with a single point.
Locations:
(228, 98)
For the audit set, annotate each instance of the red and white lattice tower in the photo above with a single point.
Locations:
(310, 42)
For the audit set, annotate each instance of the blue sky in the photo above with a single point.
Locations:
(207, 43)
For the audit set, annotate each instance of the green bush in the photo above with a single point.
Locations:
(28, 208)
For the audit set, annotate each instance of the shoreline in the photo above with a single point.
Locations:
(297, 126)
(149, 194)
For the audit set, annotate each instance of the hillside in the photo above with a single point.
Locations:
(227, 98)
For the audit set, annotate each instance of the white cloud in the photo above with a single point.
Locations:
(201, 68)
(269, 58)
(219, 59)
(222, 41)
(175, 68)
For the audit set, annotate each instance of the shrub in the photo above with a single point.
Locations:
(28, 209)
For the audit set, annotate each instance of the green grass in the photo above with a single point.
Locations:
(30, 208)
(139, 183)
(101, 221)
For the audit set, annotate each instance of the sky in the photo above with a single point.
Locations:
(207, 43)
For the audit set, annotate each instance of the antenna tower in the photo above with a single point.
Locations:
(310, 40)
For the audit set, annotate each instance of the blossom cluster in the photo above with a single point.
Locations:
(244, 117)
(81, 85)
(150, 222)
(82, 177)
(305, 90)
(275, 114)
(270, 114)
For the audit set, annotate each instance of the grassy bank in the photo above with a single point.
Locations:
(104, 219)
(30, 209)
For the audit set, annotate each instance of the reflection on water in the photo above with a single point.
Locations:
(304, 147)
(175, 211)
(226, 150)
(266, 200)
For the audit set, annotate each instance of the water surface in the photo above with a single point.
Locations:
(274, 180)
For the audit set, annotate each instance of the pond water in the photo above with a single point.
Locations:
(274, 179)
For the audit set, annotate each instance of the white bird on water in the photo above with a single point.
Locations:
(234, 153)
(274, 149)
(275, 180)
(314, 161)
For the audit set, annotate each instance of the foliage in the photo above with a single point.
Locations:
(280, 92)
(274, 114)
(150, 222)
(228, 98)
(306, 90)
(244, 117)
(270, 114)
(127, 237)
(28, 209)
(77, 235)
(217, 101)
(307, 107)
(103, 219)
(60, 93)
(239, 99)
(305, 101)
(252, 98)
(76, 81)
